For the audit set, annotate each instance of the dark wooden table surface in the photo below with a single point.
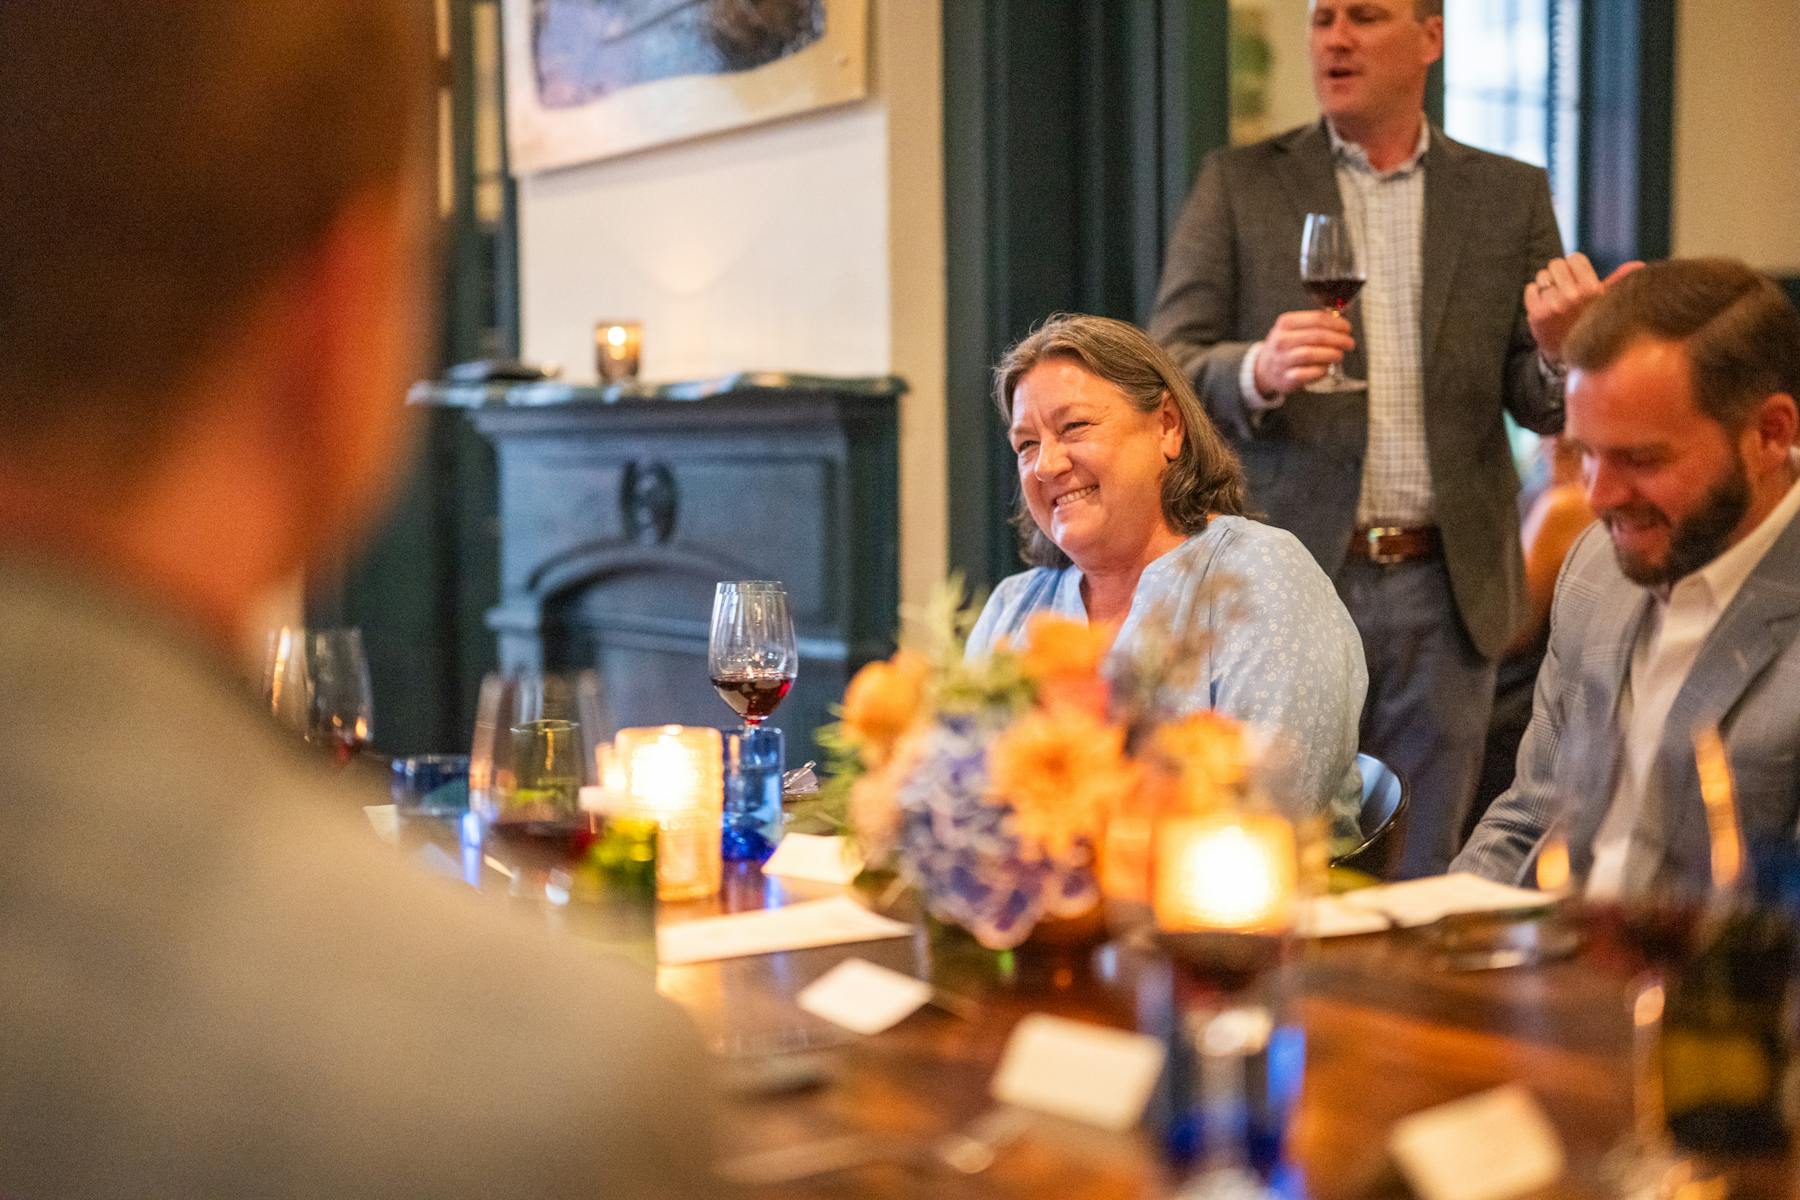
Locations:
(1388, 1032)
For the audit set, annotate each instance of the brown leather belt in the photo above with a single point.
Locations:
(1385, 545)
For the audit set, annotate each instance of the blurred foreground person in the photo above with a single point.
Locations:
(1676, 611)
(216, 218)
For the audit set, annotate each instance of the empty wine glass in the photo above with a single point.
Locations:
(317, 683)
(752, 657)
(534, 749)
(536, 733)
(341, 716)
(1333, 275)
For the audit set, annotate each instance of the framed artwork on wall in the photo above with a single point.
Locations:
(591, 79)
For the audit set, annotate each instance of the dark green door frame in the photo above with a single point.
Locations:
(1627, 129)
(421, 588)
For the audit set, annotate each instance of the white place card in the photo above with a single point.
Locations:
(863, 997)
(1490, 1146)
(1080, 1071)
(1422, 901)
(815, 858)
(1330, 916)
(834, 921)
(384, 820)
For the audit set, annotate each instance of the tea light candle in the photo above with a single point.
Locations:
(675, 774)
(617, 345)
(1228, 872)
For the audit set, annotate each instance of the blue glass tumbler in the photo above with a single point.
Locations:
(432, 785)
(754, 758)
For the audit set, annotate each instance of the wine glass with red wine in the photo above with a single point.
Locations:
(1333, 275)
(752, 657)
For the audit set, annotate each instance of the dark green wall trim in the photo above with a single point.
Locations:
(970, 29)
(1195, 112)
(1791, 285)
(420, 589)
(1628, 128)
(1072, 132)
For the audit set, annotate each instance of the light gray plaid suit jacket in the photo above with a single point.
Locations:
(1746, 680)
(1233, 266)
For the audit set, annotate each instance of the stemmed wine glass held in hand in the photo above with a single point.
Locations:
(1332, 274)
(752, 657)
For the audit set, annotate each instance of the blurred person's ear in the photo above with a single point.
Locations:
(357, 315)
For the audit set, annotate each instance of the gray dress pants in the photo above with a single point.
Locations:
(1430, 698)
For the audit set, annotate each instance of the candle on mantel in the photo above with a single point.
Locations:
(1231, 872)
(617, 345)
(675, 774)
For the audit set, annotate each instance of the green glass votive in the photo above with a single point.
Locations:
(619, 875)
(626, 857)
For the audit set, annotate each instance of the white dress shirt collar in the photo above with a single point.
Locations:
(1354, 155)
(1724, 576)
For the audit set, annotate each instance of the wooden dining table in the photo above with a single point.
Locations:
(1388, 1030)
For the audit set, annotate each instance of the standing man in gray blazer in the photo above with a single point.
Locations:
(1405, 493)
(1682, 615)
(214, 982)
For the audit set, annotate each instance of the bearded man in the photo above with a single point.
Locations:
(1676, 612)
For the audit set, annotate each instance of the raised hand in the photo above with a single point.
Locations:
(1298, 349)
(1555, 300)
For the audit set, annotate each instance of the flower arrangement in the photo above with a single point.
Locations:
(992, 782)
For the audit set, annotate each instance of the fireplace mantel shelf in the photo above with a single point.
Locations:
(503, 393)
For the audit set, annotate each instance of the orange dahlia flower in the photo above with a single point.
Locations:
(1064, 772)
(883, 701)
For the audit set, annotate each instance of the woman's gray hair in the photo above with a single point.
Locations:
(1205, 477)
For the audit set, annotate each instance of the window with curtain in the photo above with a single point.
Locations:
(1511, 85)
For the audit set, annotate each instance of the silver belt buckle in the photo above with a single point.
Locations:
(1376, 535)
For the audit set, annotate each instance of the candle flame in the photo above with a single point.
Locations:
(1236, 874)
(1553, 863)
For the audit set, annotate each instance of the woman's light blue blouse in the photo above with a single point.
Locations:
(1284, 657)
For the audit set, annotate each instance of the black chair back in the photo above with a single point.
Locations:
(1380, 822)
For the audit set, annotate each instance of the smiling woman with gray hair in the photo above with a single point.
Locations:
(1131, 506)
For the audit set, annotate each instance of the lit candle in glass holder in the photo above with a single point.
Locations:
(617, 346)
(674, 773)
(1233, 871)
(1224, 890)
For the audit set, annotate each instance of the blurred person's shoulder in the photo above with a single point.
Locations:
(229, 986)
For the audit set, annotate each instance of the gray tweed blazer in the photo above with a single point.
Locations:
(1746, 680)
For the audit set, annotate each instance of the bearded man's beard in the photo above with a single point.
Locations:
(1701, 536)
